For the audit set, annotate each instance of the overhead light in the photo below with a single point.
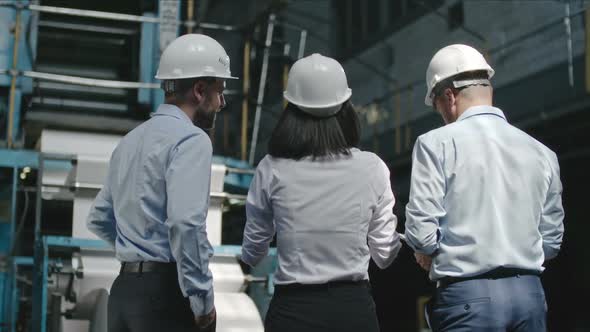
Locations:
(27, 169)
(23, 176)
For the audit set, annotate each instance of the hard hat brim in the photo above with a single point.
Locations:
(294, 101)
(166, 77)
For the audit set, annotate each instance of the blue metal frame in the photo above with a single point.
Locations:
(147, 60)
(41, 273)
(9, 305)
(27, 49)
(41, 264)
(19, 158)
(13, 310)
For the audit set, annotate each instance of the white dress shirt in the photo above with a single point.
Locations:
(483, 195)
(329, 215)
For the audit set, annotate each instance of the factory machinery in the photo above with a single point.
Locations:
(73, 81)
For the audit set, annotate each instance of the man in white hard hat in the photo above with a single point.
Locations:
(485, 207)
(154, 202)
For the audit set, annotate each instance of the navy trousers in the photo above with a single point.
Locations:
(514, 304)
(150, 301)
(332, 307)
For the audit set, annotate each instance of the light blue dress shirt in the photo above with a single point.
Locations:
(483, 195)
(154, 202)
(330, 215)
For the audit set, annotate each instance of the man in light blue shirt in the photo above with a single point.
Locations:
(154, 203)
(485, 207)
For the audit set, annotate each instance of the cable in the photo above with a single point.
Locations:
(21, 223)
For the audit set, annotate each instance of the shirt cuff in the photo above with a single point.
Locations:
(253, 259)
(202, 304)
(247, 259)
(428, 245)
(550, 251)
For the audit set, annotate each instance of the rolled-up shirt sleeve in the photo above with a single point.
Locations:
(426, 204)
(551, 225)
(188, 178)
(260, 228)
(384, 242)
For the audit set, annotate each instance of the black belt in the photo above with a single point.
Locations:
(141, 267)
(327, 285)
(498, 273)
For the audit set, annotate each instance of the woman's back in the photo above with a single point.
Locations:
(322, 211)
(328, 203)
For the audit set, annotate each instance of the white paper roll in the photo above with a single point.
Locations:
(227, 275)
(236, 312)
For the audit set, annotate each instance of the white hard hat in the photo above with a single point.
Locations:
(317, 85)
(194, 55)
(450, 61)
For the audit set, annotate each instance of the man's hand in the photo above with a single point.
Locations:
(424, 261)
(205, 321)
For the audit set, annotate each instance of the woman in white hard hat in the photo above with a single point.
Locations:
(329, 204)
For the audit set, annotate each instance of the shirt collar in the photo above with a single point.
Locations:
(480, 110)
(171, 110)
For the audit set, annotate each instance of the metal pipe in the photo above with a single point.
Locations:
(260, 99)
(568, 33)
(240, 171)
(228, 196)
(190, 10)
(214, 26)
(245, 90)
(38, 197)
(86, 27)
(11, 102)
(302, 40)
(95, 14)
(90, 81)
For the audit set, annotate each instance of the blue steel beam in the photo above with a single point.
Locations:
(19, 158)
(14, 300)
(63, 241)
(146, 59)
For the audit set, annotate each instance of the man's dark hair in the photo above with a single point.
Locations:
(182, 86)
(299, 134)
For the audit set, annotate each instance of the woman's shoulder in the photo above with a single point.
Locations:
(368, 157)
